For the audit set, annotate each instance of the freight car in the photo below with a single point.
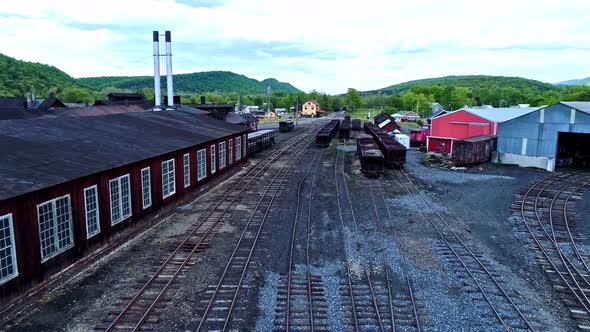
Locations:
(474, 150)
(394, 153)
(326, 133)
(286, 126)
(260, 139)
(344, 130)
(356, 125)
(371, 160)
(418, 136)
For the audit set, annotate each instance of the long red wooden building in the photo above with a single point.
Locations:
(468, 122)
(68, 184)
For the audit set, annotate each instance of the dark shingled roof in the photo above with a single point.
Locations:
(38, 153)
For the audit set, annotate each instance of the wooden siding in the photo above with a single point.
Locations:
(24, 210)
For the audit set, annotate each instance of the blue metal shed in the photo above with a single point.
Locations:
(532, 139)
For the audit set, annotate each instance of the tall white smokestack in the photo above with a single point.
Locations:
(169, 83)
(157, 88)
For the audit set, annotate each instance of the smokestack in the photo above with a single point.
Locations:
(157, 88)
(169, 83)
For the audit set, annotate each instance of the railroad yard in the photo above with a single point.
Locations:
(301, 240)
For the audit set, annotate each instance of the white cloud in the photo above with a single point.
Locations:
(323, 45)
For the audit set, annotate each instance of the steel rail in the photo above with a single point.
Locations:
(293, 158)
(471, 254)
(352, 301)
(259, 167)
(292, 246)
(403, 258)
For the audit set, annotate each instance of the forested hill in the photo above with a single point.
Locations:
(582, 81)
(19, 77)
(211, 81)
(476, 82)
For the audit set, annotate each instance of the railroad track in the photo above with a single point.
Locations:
(218, 313)
(546, 209)
(465, 258)
(303, 307)
(140, 311)
(370, 307)
(404, 309)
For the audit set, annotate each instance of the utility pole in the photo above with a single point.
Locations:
(296, 109)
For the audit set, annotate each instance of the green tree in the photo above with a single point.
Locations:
(418, 101)
(76, 95)
(352, 99)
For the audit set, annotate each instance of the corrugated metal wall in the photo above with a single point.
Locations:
(539, 139)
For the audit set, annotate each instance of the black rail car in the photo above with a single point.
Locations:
(344, 130)
(356, 125)
(394, 153)
(326, 133)
(286, 126)
(259, 140)
(474, 150)
(371, 158)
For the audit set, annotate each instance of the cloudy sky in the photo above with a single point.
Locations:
(313, 44)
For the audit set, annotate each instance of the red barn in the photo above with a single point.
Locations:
(468, 122)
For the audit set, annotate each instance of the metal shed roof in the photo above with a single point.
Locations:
(583, 106)
(499, 115)
(38, 153)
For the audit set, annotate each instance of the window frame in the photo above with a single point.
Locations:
(59, 250)
(213, 159)
(143, 187)
(199, 168)
(12, 240)
(120, 191)
(238, 148)
(222, 157)
(95, 188)
(167, 176)
(186, 163)
(231, 151)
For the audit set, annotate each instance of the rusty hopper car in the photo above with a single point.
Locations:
(474, 150)
(356, 125)
(371, 161)
(344, 130)
(394, 153)
(363, 139)
(326, 133)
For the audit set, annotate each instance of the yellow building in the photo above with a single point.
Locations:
(310, 109)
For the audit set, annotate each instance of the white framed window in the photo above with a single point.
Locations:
(222, 155)
(120, 199)
(187, 170)
(213, 160)
(55, 226)
(238, 148)
(8, 265)
(92, 215)
(168, 178)
(201, 164)
(231, 151)
(146, 187)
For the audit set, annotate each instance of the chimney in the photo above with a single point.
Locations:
(157, 88)
(203, 100)
(169, 83)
